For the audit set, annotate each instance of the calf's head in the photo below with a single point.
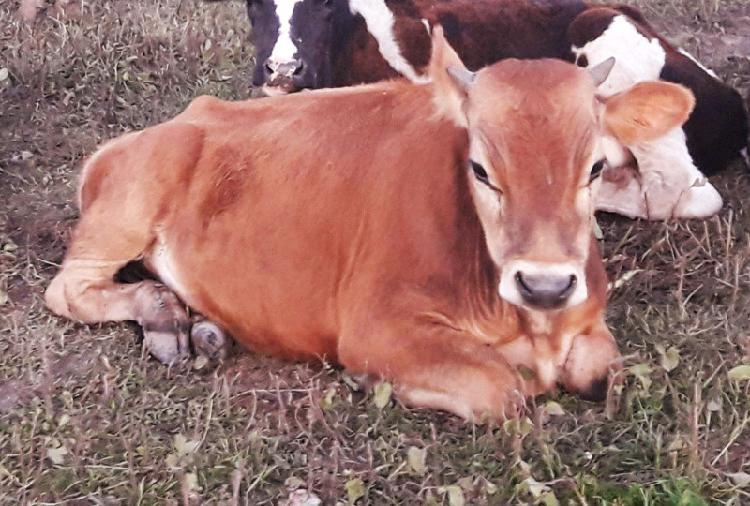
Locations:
(295, 41)
(536, 146)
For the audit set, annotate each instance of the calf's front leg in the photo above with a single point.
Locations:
(437, 369)
(592, 362)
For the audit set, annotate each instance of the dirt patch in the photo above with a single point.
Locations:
(19, 392)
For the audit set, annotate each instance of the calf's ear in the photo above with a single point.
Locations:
(647, 111)
(450, 77)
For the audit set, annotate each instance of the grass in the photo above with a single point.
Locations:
(86, 419)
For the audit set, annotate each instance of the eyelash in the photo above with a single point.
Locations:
(481, 175)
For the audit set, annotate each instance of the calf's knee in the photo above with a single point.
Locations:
(55, 297)
(589, 365)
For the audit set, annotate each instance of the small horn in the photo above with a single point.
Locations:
(600, 72)
(461, 76)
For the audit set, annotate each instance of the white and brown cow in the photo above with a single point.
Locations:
(404, 235)
(324, 43)
(713, 136)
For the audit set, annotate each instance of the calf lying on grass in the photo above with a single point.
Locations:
(437, 235)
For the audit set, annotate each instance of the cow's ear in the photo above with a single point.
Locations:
(647, 111)
(450, 77)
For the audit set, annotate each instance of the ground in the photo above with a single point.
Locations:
(85, 418)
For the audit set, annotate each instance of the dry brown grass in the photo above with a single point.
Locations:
(85, 419)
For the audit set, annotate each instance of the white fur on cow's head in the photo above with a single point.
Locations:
(285, 49)
(296, 42)
(647, 119)
(638, 57)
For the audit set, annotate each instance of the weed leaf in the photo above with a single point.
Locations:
(417, 458)
(455, 495)
(740, 373)
(57, 455)
(355, 489)
(382, 394)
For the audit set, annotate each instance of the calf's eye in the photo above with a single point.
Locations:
(479, 172)
(482, 175)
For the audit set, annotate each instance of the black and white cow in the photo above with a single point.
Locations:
(326, 43)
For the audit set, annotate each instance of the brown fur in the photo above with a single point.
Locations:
(480, 30)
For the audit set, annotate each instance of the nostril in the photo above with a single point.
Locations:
(525, 289)
(573, 281)
(300, 68)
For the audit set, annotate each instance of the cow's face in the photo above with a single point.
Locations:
(533, 157)
(536, 145)
(295, 41)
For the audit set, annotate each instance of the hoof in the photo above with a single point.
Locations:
(210, 341)
(166, 344)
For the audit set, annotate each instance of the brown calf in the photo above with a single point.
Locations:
(437, 235)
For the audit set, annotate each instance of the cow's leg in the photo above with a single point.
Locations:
(592, 363)
(85, 290)
(435, 370)
(209, 339)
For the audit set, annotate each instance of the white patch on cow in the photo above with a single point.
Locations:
(537, 354)
(616, 154)
(546, 373)
(426, 24)
(380, 23)
(508, 288)
(485, 197)
(637, 58)
(284, 49)
(623, 197)
(665, 188)
(669, 184)
(700, 65)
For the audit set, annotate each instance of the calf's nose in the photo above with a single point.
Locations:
(545, 291)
